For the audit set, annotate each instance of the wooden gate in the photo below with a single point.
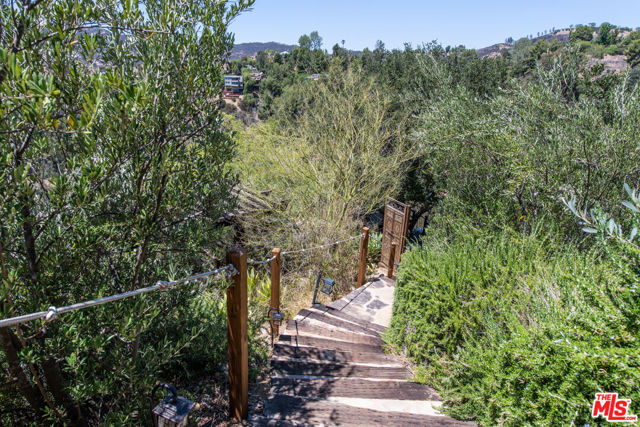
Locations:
(395, 229)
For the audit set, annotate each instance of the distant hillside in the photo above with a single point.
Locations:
(493, 50)
(611, 62)
(615, 63)
(241, 50)
(498, 48)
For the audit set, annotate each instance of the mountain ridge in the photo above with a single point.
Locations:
(248, 49)
(241, 50)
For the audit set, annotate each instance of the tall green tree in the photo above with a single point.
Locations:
(334, 154)
(633, 52)
(607, 34)
(582, 32)
(304, 41)
(112, 174)
(316, 40)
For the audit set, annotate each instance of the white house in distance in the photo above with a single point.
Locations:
(233, 83)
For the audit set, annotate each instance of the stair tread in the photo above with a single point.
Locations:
(359, 388)
(346, 316)
(281, 349)
(330, 413)
(307, 327)
(327, 343)
(328, 318)
(298, 368)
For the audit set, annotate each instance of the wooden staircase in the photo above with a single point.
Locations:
(329, 368)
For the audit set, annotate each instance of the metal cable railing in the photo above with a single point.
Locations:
(264, 261)
(297, 251)
(52, 312)
(236, 305)
(321, 246)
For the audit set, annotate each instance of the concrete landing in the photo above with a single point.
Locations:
(373, 302)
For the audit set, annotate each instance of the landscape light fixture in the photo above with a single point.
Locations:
(172, 411)
(327, 288)
(275, 316)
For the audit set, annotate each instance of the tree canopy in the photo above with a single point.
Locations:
(113, 174)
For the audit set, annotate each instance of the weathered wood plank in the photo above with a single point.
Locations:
(327, 343)
(337, 313)
(323, 354)
(307, 327)
(291, 367)
(322, 388)
(330, 413)
(337, 322)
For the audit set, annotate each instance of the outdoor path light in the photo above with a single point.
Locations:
(327, 288)
(172, 411)
(275, 316)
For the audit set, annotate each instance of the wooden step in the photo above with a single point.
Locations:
(352, 387)
(330, 368)
(327, 343)
(337, 313)
(323, 412)
(307, 327)
(380, 363)
(322, 354)
(337, 322)
(283, 368)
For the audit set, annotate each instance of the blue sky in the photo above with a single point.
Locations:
(474, 24)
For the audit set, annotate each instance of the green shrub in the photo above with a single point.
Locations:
(374, 249)
(612, 50)
(506, 159)
(581, 33)
(516, 329)
(589, 47)
(114, 171)
(248, 103)
(332, 157)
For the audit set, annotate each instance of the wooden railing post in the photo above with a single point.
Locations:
(237, 337)
(276, 267)
(392, 259)
(362, 262)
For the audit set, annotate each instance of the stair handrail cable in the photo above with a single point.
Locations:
(52, 312)
(321, 246)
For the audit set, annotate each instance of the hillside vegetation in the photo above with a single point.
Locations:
(608, 47)
(509, 305)
(519, 328)
(520, 302)
(120, 169)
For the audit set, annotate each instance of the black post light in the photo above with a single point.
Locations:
(275, 316)
(172, 411)
(327, 288)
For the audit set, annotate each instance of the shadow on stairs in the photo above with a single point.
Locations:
(329, 368)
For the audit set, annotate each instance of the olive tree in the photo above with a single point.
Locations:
(112, 175)
(505, 159)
